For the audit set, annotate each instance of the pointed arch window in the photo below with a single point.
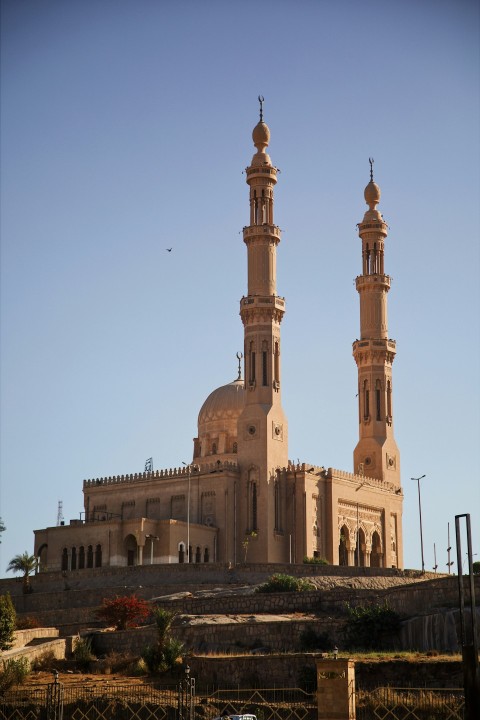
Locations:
(252, 363)
(73, 564)
(264, 368)
(366, 400)
(90, 557)
(81, 557)
(378, 403)
(276, 363)
(389, 400)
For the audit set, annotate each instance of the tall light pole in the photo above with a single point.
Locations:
(189, 467)
(417, 480)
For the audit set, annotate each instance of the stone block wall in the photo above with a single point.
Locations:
(23, 637)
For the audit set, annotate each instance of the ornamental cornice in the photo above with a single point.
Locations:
(373, 357)
(256, 315)
(380, 351)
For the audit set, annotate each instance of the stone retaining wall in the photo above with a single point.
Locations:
(408, 600)
(23, 637)
(292, 670)
(57, 647)
(276, 636)
(180, 574)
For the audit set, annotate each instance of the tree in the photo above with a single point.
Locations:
(24, 564)
(2, 528)
(124, 611)
(165, 654)
(7, 622)
(476, 567)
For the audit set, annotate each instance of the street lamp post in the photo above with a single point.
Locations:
(417, 480)
(151, 538)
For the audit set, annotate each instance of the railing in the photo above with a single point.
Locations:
(110, 699)
(411, 703)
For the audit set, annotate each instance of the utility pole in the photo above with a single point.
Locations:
(417, 480)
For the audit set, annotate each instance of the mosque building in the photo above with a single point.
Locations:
(241, 500)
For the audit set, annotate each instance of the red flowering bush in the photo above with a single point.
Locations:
(124, 611)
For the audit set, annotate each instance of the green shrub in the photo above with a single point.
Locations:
(371, 627)
(13, 672)
(315, 561)
(162, 659)
(82, 653)
(285, 583)
(476, 567)
(7, 622)
(164, 655)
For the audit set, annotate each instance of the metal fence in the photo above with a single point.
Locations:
(108, 700)
(388, 703)
(276, 703)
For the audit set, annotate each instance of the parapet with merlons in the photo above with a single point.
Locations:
(169, 473)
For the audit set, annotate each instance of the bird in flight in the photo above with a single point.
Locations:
(169, 249)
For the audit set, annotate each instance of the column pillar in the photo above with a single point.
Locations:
(336, 689)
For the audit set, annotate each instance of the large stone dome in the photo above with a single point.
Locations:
(217, 422)
(224, 403)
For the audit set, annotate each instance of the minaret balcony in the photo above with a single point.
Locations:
(252, 301)
(261, 170)
(371, 282)
(374, 350)
(251, 232)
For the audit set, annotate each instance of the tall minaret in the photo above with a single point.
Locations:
(262, 426)
(376, 454)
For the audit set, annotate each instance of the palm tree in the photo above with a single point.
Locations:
(25, 564)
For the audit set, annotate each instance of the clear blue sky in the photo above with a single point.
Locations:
(125, 128)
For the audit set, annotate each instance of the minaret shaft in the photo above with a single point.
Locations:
(376, 453)
(262, 426)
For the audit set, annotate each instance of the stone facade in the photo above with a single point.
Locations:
(241, 499)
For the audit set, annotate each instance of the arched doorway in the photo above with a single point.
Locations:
(343, 546)
(131, 550)
(360, 550)
(42, 555)
(376, 557)
(181, 553)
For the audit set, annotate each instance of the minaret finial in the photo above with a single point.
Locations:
(239, 358)
(261, 100)
(371, 161)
